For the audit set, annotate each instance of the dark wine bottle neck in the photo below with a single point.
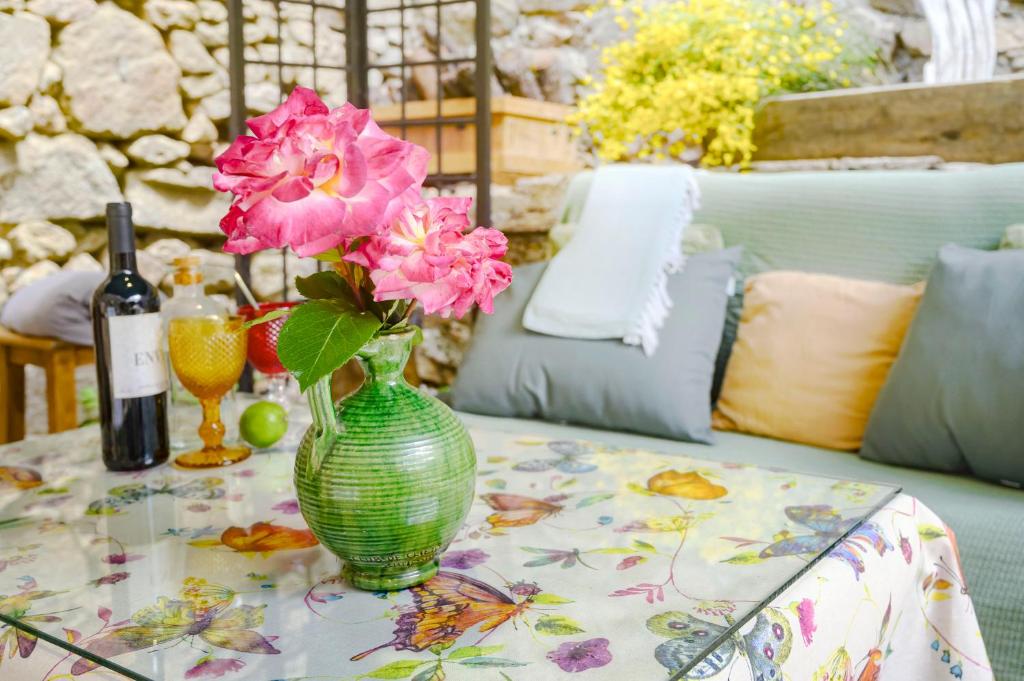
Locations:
(121, 237)
(120, 262)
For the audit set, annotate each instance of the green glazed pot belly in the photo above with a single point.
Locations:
(395, 484)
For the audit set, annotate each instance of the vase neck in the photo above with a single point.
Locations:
(384, 358)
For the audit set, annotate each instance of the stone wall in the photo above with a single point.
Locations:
(129, 100)
(906, 41)
(544, 49)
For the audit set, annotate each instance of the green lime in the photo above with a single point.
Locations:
(263, 423)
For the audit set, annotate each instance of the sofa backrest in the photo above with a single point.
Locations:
(886, 225)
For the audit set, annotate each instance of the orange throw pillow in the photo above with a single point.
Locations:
(811, 353)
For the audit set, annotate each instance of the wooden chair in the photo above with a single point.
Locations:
(59, 359)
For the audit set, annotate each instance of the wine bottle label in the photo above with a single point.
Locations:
(137, 365)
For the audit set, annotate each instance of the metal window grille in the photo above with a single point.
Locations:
(338, 64)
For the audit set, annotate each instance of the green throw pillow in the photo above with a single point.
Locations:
(509, 371)
(954, 400)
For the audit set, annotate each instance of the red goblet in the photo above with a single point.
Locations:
(263, 347)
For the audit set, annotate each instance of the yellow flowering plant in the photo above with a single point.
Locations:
(693, 71)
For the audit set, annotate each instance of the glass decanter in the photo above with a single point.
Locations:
(189, 299)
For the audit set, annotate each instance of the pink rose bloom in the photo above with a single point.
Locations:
(314, 178)
(425, 256)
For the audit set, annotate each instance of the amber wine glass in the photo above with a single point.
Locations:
(208, 355)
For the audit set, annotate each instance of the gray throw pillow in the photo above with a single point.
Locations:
(509, 371)
(733, 311)
(57, 307)
(954, 399)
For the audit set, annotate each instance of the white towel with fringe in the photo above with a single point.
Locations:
(610, 280)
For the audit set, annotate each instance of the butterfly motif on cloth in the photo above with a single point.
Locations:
(18, 641)
(119, 497)
(450, 604)
(829, 526)
(872, 670)
(570, 459)
(765, 647)
(202, 612)
(19, 477)
(513, 510)
(868, 535)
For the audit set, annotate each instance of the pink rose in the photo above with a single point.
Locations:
(425, 256)
(314, 178)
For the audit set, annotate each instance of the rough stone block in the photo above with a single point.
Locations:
(24, 47)
(55, 178)
(119, 79)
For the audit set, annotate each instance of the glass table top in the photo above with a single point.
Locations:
(573, 554)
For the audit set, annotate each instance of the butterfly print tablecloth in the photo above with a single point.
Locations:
(576, 560)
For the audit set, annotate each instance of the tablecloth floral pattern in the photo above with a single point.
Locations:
(577, 559)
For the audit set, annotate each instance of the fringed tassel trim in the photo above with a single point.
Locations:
(643, 330)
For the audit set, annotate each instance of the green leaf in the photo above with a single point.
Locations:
(633, 487)
(929, 532)
(320, 336)
(644, 546)
(439, 648)
(323, 285)
(332, 255)
(396, 670)
(490, 662)
(430, 674)
(473, 651)
(270, 316)
(52, 490)
(594, 499)
(8, 523)
(615, 550)
(745, 558)
(550, 599)
(558, 625)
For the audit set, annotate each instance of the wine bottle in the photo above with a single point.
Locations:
(130, 367)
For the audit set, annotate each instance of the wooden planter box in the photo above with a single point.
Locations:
(528, 137)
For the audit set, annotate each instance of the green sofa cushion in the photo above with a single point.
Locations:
(885, 225)
(882, 225)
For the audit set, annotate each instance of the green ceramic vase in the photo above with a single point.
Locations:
(386, 476)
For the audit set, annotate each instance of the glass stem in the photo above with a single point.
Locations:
(277, 387)
(212, 428)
